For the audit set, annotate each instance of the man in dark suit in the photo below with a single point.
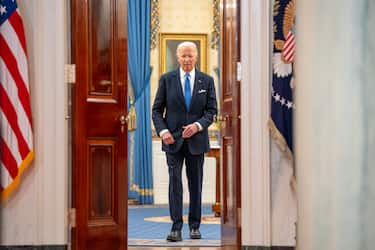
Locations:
(184, 107)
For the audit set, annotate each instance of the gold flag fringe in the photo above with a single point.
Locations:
(280, 141)
(8, 190)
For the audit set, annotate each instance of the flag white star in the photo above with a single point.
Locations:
(277, 97)
(289, 104)
(3, 9)
(282, 101)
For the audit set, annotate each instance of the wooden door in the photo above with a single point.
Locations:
(99, 131)
(230, 125)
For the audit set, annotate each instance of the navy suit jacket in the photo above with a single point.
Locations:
(169, 110)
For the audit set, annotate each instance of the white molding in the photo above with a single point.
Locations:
(255, 142)
(36, 212)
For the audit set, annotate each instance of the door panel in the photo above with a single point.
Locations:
(230, 125)
(100, 174)
(99, 132)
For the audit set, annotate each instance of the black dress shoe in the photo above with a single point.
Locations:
(195, 234)
(174, 235)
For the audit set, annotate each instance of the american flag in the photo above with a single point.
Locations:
(282, 104)
(289, 48)
(16, 140)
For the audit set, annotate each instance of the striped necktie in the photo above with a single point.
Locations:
(187, 91)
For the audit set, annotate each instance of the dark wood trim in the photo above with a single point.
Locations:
(231, 125)
(99, 120)
(237, 122)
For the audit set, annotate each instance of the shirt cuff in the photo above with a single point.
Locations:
(200, 128)
(163, 132)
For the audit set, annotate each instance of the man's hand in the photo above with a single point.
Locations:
(189, 130)
(167, 138)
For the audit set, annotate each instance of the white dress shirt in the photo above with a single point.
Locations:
(192, 79)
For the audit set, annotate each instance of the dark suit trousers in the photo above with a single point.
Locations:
(194, 173)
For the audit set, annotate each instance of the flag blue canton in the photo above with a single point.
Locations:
(281, 112)
(282, 104)
(7, 7)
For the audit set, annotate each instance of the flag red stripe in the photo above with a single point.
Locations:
(288, 51)
(8, 159)
(288, 57)
(16, 21)
(11, 64)
(288, 42)
(11, 115)
(291, 53)
(289, 46)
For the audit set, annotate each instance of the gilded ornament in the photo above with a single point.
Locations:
(289, 14)
(155, 23)
(276, 9)
(215, 34)
(279, 44)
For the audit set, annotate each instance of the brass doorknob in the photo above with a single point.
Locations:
(221, 118)
(123, 119)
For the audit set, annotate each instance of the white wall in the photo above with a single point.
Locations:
(161, 177)
(335, 122)
(35, 214)
(268, 203)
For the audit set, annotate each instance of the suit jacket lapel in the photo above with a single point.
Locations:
(180, 92)
(198, 84)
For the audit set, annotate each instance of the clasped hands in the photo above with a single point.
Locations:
(188, 131)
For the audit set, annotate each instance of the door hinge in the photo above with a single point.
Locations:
(70, 73)
(72, 217)
(238, 71)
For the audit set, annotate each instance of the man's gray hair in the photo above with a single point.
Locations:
(187, 44)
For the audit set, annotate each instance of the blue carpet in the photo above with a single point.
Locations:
(149, 226)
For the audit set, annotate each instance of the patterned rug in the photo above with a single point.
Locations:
(149, 226)
(206, 219)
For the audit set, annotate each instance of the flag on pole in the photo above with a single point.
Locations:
(16, 137)
(282, 104)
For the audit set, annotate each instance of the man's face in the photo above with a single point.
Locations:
(187, 58)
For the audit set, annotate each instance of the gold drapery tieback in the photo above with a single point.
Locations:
(132, 123)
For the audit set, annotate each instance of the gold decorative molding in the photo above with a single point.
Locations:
(155, 23)
(215, 34)
(168, 46)
(276, 10)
